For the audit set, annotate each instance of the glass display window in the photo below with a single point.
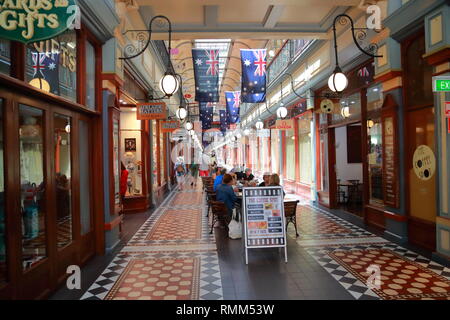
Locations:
(275, 146)
(51, 65)
(131, 150)
(5, 56)
(63, 179)
(161, 156)
(305, 152)
(349, 109)
(3, 263)
(375, 144)
(32, 181)
(290, 154)
(154, 155)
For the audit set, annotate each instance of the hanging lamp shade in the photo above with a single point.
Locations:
(181, 113)
(169, 84)
(338, 81)
(282, 112)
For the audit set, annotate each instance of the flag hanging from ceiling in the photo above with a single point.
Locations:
(233, 99)
(253, 75)
(206, 114)
(224, 123)
(206, 72)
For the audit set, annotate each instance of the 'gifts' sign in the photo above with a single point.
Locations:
(151, 111)
(29, 21)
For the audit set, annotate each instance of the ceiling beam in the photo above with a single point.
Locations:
(273, 15)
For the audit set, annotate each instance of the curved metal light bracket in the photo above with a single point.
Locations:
(357, 34)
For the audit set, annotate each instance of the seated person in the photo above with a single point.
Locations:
(275, 181)
(266, 178)
(219, 178)
(225, 193)
(248, 176)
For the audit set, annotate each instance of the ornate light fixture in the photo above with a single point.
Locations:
(189, 126)
(282, 112)
(338, 81)
(171, 81)
(259, 125)
(181, 113)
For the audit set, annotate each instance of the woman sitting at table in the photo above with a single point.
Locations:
(274, 181)
(266, 178)
(225, 193)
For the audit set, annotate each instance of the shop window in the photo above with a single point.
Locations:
(116, 157)
(32, 200)
(349, 109)
(304, 143)
(85, 192)
(63, 179)
(324, 175)
(275, 145)
(161, 155)
(90, 76)
(290, 155)
(3, 271)
(418, 86)
(131, 150)
(154, 156)
(5, 56)
(375, 148)
(51, 65)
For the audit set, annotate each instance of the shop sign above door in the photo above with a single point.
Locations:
(38, 20)
(284, 125)
(151, 111)
(170, 126)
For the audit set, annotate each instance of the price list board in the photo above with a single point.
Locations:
(264, 222)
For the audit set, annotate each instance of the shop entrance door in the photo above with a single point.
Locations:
(420, 161)
(49, 221)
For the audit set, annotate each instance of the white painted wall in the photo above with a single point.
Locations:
(344, 170)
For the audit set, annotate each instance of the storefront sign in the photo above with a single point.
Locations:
(284, 125)
(424, 163)
(31, 21)
(170, 126)
(264, 225)
(151, 111)
(441, 84)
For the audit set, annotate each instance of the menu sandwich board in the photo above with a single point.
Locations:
(264, 222)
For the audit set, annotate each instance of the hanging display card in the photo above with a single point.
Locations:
(264, 222)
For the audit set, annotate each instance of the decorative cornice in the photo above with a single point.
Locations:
(100, 18)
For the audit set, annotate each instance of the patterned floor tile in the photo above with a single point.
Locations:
(171, 257)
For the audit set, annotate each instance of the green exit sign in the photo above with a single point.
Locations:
(441, 84)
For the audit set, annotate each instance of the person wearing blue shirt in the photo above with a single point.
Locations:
(225, 193)
(219, 178)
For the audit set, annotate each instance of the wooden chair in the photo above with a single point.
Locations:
(210, 196)
(219, 213)
(290, 213)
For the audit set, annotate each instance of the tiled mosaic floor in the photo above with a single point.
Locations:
(353, 258)
(171, 257)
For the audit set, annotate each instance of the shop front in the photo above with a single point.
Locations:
(348, 151)
(50, 106)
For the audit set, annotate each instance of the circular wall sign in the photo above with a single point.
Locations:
(424, 162)
(327, 106)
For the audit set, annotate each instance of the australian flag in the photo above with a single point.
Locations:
(46, 65)
(206, 72)
(224, 123)
(206, 114)
(253, 75)
(233, 99)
